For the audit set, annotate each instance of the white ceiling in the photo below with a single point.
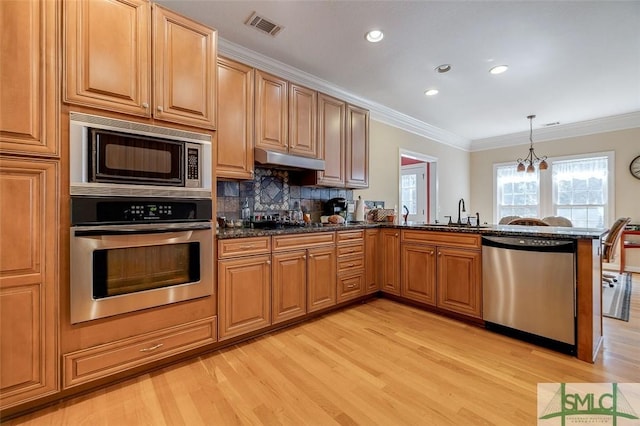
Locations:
(569, 61)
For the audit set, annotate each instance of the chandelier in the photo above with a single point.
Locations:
(531, 160)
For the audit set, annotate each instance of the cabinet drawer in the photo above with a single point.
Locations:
(350, 286)
(355, 235)
(243, 246)
(289, 242)
(111, 358)
(350, 263)
(345, 250)
(442, 238)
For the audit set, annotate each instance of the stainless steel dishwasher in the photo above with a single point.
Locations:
(529, 289)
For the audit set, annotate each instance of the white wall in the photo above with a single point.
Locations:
(385, 143)
(625, 144)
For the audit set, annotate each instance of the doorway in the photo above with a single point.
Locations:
(418, 185)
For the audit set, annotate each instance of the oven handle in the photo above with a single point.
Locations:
(135, 230)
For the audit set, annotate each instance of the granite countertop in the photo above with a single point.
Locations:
(495, 230)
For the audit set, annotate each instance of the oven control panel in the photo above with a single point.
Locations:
(97, 210)
(149, 211)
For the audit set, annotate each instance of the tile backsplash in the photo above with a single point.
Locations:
(272, 191)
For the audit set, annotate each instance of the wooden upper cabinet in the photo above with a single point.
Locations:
(303, 104)
(332, 139)
(28, 80)
(107, 55)
(107, 61)
(184, 70)
(357, 148)
(28, 280)
(234, 157)
(271, 112)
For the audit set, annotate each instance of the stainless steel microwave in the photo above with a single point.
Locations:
(114, 157)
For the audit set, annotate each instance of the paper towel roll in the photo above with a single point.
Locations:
(359, 210)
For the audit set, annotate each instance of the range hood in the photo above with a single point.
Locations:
(273, 158)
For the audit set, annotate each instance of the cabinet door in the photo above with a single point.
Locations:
(303, 104)
(321, 278)
(371, 260)
(419, 273)
(244, 295)
(234, 149)
(271, 113)
(28, 280)
(184, 70)
(288, 285)
(107, 55)
(28, 80)
(460, 281)
(357, 151)
(390, 261)
(332, 140)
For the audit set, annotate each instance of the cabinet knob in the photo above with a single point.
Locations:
(145, 105)
(396, 234)
(304, 257)
(310, 256)
(160, 108)
(439, 253)
(268, 262)
(431, 253)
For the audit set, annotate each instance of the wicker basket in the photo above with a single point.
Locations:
(380, 215)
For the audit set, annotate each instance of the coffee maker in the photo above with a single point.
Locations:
(336, 206)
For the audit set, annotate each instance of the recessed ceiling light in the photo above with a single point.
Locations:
(431, 92)
(499, 69)
(443, 68)
(374, 36)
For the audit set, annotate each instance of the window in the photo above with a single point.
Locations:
(580, 191)
(575, 187)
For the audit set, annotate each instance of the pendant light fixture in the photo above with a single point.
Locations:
(529, 163)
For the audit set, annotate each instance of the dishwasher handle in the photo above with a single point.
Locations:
(536, 244)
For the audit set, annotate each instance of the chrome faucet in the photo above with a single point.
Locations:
(460, 203)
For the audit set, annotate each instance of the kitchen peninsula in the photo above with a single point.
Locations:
(396, 245)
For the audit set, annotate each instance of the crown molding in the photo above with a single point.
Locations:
(582, 128)
(378, 112)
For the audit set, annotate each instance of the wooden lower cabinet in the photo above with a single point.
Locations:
(288, 285)
(460, 281)
(321, 278)
(29, 223)
(390, 261)
(443, 270)
(114, 357)
(244, 295)
(418, 275)
(371, 270)
(351, 260)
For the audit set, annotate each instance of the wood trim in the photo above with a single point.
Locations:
(589, 299)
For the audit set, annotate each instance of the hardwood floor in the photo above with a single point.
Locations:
(375, 363)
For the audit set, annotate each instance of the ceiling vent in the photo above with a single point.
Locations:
(263, 24)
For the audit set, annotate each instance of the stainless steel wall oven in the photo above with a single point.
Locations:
(129, 254)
